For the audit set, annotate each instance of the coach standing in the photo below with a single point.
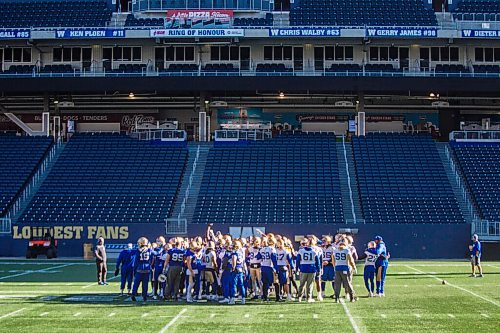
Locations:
(101, 262)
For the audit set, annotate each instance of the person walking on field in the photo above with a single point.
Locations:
(101, 262)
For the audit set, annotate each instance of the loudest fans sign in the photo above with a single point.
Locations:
(201, 19)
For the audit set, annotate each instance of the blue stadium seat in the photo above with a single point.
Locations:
(480, 166)
(54, 13)
(288, 179)
(401, 179)
(109, 178)
(361, 13)
(19, 158)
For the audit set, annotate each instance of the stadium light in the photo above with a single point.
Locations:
(131, 95)
(432, 94)
(281, 94)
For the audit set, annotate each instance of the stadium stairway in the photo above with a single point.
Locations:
(445, 20)
(344, 172)
(37, 182)
(441, 147)
(197, 174)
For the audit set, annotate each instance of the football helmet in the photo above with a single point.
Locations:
(143, 241)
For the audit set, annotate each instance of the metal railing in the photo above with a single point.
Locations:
(348, 180)
(461, 184)
(5, 226)
(175, 226)
(479, 135)
(189, 185)
(485, 228)
(160, 134)
(242, 73)
(242, 135)
(34, 181)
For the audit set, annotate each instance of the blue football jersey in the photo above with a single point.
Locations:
(142, 260)
(176, 257)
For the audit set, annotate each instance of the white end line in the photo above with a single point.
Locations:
(457, 287)
(170, 323)
(351, 319)
(12, 313)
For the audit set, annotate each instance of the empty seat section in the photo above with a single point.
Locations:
(288, 179)
(480, 166)
(362, 13)
(401, 179)
(109, 178)
(477, 10)
(54, 13)
(19, 158)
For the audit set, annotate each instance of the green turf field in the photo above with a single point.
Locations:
(60, 296)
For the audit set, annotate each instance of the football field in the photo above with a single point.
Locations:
(61, 296)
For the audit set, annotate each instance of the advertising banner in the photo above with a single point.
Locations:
(198, 33)
(15, 33)
(468, 33)
(89, 33)
(305, 32)
(198, 19)
(401, 32)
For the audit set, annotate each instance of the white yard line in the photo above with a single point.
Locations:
(170, 323)
(144, 315)
(351, 319)
(13, 313)
(95, 283)
(451, 316)
(112, 314)
(77, 314)
(43, 314)
(455, 286)
(35, 271)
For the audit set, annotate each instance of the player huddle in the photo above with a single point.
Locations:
(220, 268)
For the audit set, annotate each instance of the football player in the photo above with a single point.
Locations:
(267, 256)
(328, 269)
(319, 251)
(210, 276)
(370, 257)
(142, 268)
(193, 258)
(475, 253)
(172, 268)
(124, 262)
(284, 261)
(381, 264)
(255, 273)
(158, 263)
(226, 268)
(238, 271)
(308, 264)
(343, 262)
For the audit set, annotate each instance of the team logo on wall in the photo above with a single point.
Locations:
(131, 122)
